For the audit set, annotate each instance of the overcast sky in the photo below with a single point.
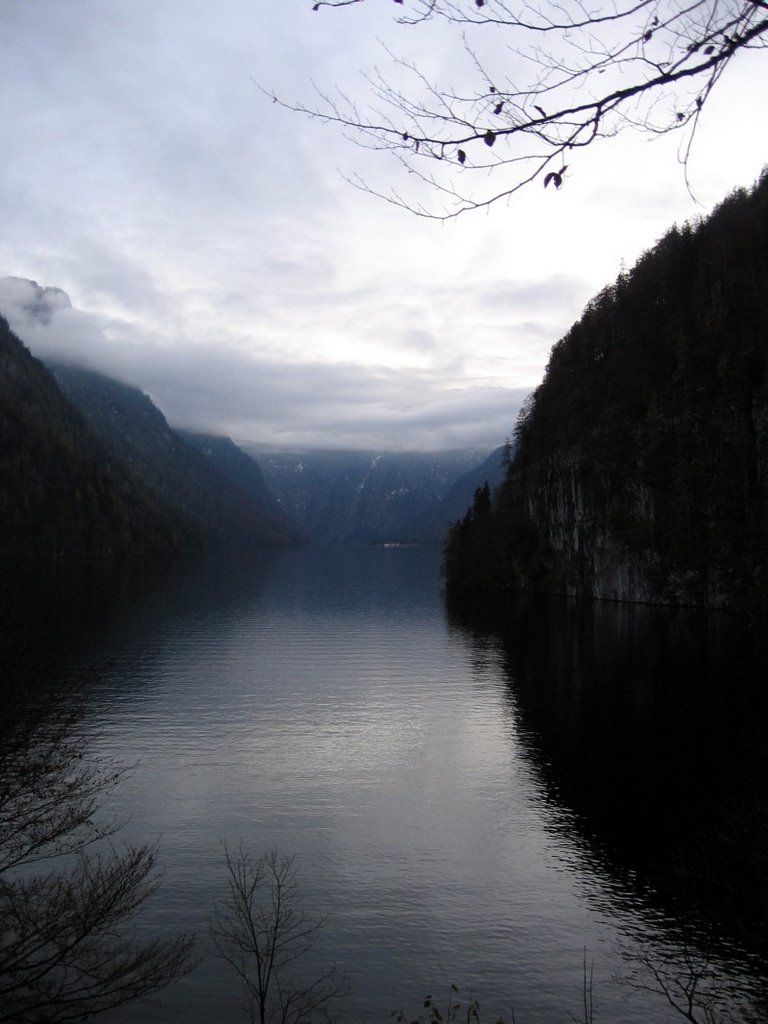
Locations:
(215, 256)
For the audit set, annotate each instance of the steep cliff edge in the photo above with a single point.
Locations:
(642, 458)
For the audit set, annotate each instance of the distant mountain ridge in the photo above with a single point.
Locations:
(220, 491)
(460, 494)
(352, 497)
(184, 477)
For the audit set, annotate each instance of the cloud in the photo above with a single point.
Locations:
(30, 304)
(220, 388)
(215, 256)
(45, 321)
(345, 406)
(544, 293)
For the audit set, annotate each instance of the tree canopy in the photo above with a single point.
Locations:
(641, 458)
(541, 81)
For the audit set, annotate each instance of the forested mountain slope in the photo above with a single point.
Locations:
(182, 476)
(642, 458)
(241, 470)
(454, 503)
(61, 492)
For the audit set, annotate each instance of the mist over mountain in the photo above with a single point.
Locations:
(62, 492)
(374, 496)
(251, 392)
(35, 304)
(184, 477)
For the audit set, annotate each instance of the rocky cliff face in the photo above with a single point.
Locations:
(642, 458)
(571, 503)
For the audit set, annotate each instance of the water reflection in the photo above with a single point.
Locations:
(648, 726)
(473, 799)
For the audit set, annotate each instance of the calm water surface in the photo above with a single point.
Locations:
(466, 807)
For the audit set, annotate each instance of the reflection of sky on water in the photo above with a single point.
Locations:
(319, 701)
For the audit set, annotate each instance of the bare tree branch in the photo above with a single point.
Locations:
(64, 906)
(543, 81)
(263, 932)
(689, 984)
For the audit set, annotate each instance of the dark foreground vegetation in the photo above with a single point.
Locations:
(642, 458)
(68, 891)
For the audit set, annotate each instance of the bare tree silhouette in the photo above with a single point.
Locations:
(264, 933)
(542, 81)
(67, 895)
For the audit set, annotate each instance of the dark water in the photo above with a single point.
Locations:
(475, 795)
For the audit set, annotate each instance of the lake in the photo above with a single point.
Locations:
(481, 796)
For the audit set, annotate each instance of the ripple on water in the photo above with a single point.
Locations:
(352, 726)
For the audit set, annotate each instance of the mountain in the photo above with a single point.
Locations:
(61, 491)
(33, 303)
(239, 469)
(367, 497)
(460, 494)
(229, 512)
(642, 458)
